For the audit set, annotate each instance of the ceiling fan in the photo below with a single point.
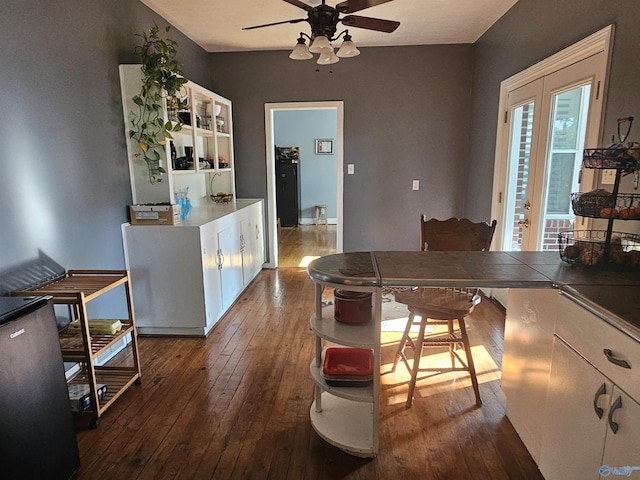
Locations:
(324, 20)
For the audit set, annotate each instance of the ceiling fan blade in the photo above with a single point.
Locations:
(299, 4)
(386, 26)
(351, 6)
(297, 20)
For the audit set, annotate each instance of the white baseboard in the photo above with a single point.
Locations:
(312, 221)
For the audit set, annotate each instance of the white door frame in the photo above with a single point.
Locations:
(601, 41)
(269, 109)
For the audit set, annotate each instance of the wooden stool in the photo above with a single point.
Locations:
(321, 214)
(437, 306)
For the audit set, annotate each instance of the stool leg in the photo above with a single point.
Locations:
(451, 345)
(417, 354)
(403, 342)
(472, 368)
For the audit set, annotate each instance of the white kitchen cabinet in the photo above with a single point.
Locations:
(185, 277)
(526, 361)
(251, 244)
(591, 413)
(622, 449)
(574, 434)
(230, 261)
(207, 129)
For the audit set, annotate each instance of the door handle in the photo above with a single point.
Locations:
(616, 405)
(616, 361)
(527, 205)
(524, 223)
(601, 391)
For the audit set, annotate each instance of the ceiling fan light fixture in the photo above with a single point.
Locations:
(327, 58)
(300, 51)
(348, 49)
(320, 44)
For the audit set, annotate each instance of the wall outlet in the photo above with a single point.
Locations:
(608, 177)
(416, 185)
(350, 169)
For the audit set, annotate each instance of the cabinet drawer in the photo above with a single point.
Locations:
(590, 336)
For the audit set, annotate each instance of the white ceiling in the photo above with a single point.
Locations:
(216, 25)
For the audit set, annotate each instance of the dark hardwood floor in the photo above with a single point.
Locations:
(236, 404)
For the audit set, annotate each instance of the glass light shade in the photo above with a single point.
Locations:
(320, 44)
(348, 49)
(300, 52)
(327, 58)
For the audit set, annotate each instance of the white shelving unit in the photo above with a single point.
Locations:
(347, 417)
(207, 129)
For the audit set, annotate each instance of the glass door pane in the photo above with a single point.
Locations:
(567, 129)
(519, 159)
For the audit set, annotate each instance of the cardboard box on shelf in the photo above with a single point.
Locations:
(80, 395)
(155, 214)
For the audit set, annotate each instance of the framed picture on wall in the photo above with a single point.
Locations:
(324, 146)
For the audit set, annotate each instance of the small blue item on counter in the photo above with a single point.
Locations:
(185, 206)
(182, 199)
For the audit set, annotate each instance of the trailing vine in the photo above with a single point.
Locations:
(162, 78)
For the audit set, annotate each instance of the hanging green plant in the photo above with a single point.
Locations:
(162, 78)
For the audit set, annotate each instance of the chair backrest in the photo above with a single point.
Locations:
(456, 234)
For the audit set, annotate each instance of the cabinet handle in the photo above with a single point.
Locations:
(220, 259)
(616, 405)
(616, 361)
(601, 391)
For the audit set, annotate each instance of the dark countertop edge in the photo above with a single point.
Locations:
(373, 279)
(599, 311)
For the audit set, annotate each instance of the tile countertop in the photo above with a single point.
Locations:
(608, 291)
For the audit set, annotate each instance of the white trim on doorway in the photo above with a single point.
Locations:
(269, 109)
(600, 41)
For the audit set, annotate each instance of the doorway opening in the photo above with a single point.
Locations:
(307, 233)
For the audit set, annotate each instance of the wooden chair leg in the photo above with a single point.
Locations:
(417, 355)
(470, 364)
(451, 345)
(403, 342)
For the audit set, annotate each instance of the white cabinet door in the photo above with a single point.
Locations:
(526, 361)
(231, 263)
(257, 238)
(211, 276)
(622, 448)
(246, 247)
(573, 433)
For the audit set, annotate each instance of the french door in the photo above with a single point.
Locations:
(549, 122)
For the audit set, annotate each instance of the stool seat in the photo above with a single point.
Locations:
(321, 215)
(437, 306)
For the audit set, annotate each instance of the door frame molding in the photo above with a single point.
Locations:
(272, 215)
(600, 41)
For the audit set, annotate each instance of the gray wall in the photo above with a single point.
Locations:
(317, 173)
(64, 179)
(530, 32)
(406, 117)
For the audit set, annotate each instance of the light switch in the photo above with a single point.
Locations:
(416, 185)
(350, 169)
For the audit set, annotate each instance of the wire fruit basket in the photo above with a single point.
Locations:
(590, 248)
